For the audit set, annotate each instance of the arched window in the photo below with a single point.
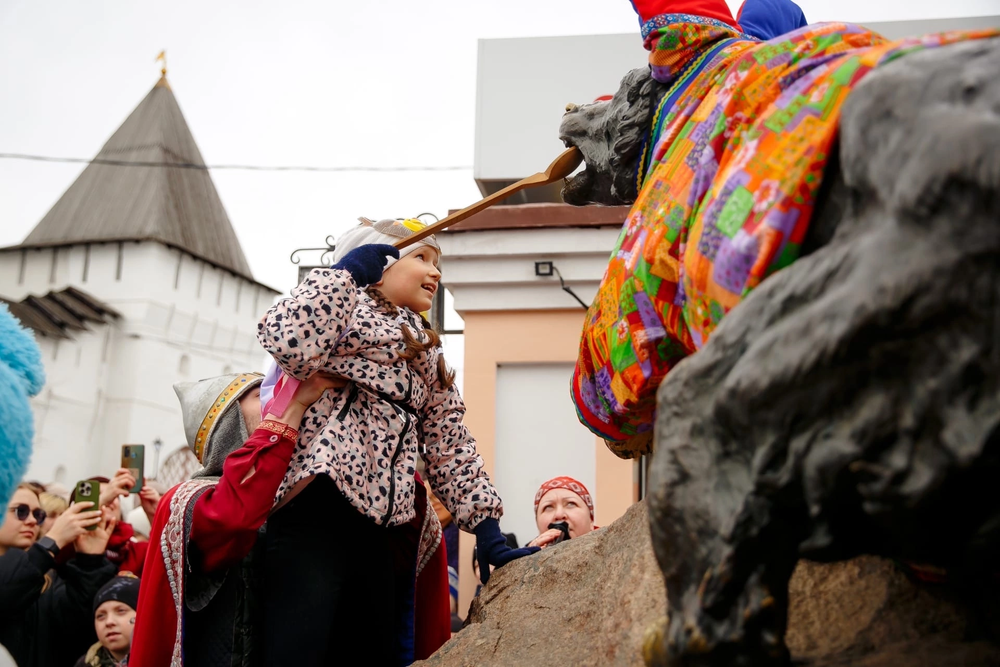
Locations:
(185, 366)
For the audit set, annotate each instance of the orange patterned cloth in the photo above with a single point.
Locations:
(743, 138)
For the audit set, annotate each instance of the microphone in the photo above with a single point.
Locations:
(561, 526)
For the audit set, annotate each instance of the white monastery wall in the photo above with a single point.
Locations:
(66, 428)
(182, 320)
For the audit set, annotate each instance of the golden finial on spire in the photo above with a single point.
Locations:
(163, 57)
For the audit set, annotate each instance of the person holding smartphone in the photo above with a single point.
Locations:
(564, 509)
(127, 553)
(45, 610)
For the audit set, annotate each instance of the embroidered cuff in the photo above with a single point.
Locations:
(283, 430)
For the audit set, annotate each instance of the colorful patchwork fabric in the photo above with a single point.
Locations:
(726, 200)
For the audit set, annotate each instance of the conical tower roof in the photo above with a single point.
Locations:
(174, 205)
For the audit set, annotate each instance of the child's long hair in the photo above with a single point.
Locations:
(446, 376)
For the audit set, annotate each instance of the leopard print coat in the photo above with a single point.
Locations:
(367, 435)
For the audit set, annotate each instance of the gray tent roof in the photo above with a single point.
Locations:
(177, 206)
(61, 314)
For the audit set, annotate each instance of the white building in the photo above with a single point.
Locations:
(133, 281)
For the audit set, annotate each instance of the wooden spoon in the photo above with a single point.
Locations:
(560, 168)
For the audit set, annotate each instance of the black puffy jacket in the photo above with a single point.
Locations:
(48, 622)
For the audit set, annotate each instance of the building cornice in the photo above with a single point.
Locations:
(137, 239)
(535, 216)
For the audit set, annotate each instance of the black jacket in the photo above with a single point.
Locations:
(51, 628)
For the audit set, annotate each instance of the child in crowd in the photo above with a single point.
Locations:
(114, 620)
(54, 506)
(328, 572)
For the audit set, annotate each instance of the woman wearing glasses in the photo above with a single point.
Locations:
(45, 608)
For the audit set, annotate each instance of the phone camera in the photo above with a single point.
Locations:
(85, 488)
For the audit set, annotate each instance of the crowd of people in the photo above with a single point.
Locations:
(324, 519)
(57, 558)
(49, 542)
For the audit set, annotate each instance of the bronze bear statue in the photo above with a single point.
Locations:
(851, 403)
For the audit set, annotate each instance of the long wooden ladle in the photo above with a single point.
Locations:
(560, 168)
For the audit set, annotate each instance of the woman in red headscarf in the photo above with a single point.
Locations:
(562, 500)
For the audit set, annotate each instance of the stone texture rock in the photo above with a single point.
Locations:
(584, 602)
(866, 611)
(591, 600)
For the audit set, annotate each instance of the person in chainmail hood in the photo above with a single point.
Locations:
(197, 603)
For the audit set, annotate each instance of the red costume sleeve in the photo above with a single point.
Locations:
(155, 620)
(433, 605)
(226, 519)
(228, 515)
(135, 557)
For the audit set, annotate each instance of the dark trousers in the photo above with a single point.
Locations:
(328, 589)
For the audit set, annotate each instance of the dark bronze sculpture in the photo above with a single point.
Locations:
(851, 404)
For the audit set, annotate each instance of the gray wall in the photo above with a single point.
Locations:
(899, 29)
(523, 86)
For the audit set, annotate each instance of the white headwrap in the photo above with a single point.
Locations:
(383, 231)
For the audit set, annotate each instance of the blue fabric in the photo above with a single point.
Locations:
(767, 19)
(492, 549)
(405, 609)
(21, 375)
(451, 544)
(365, 263)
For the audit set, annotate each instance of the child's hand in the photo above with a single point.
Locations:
(305, 395)
(150, 498)
(96, 541)
(73, 522)
(309, 391)
(118, 486)
(492, 549)
(365, 263)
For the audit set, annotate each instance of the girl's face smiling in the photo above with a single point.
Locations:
(413, 280)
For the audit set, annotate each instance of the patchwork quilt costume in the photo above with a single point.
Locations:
(727, 186)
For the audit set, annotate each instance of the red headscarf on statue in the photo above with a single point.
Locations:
(712, 9)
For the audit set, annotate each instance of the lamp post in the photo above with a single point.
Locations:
(157, 443)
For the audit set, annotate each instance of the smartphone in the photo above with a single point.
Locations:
(134, 458)
(88, 490)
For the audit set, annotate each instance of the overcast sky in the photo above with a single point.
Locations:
(321, 83)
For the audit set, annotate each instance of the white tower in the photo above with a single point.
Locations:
(133, 281)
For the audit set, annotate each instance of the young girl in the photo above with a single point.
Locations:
(329, 588)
